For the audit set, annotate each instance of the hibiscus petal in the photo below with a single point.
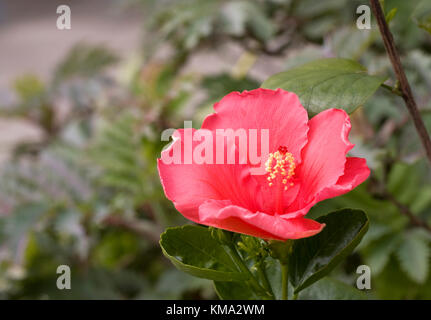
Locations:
(224, 215)
(278, 111)
(356, 171)
(324, 156)
(188, 185)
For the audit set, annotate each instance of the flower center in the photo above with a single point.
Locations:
(280, 168)
(280, 164)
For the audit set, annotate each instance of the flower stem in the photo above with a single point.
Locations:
(254, 284)
(284, 281)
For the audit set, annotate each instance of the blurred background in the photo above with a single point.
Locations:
(82, 111)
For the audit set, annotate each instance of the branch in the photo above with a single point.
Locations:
(383, 193)
(406, 211)
(392, 89)
(406, 91)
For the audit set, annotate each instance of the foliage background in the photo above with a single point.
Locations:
(87, 193)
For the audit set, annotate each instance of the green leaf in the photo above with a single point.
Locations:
(375, 232)
(273, 273)
(217, 85)
(22, 220)
(351, 42)
(328, 83)
(240, 291)
(193, 250)
(332, 289)
(391, 14)
(85, 61)
(393, 283)
(29, 87)
(313, 258)
(378, 253)
(304, 55)
(422, 15)
(414, 254)
(422, 200)
(404, 182)
(313, 9)
(173, 283)
(234, 290)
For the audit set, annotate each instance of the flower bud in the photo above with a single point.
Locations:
(280, 250)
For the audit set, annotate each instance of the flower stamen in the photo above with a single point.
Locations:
(280, 164)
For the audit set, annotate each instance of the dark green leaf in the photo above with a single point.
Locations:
(193, 250)
(328, 83)
(273, 273)
(313, 258)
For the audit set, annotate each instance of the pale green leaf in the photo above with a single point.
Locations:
(413, 255)
(328, 83)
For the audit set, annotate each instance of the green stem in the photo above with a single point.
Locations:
(263, 276)
(243, 267)
(284, 281)
(392, 89)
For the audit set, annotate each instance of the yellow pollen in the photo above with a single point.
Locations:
(283, 163)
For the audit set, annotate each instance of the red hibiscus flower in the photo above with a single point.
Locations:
(306, 163)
